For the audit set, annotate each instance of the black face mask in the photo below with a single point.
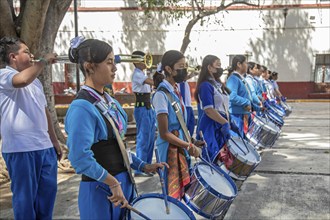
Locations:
(181, 75)
(218, 73)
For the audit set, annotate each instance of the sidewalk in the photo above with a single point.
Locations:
(291, 182)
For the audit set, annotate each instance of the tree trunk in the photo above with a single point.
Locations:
(56, 12)
(7, 27)
(186, 38)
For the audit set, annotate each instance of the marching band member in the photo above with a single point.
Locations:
(240, 98)
(273, 78)
(172, 146)
(213, 99)
(252, 72)
(143, 113)
(29, 143)
(96, 124)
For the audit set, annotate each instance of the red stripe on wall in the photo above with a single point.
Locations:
(292, 90)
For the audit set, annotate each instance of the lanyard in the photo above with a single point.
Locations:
(109, 107)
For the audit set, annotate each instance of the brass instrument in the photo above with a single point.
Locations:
(59, 59)
(194, 69)
(146, 59)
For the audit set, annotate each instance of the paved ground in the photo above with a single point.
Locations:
(291, 182)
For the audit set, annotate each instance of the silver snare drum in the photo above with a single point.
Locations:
(246, 159)
(210, 192)
(262, 132)
(152, 205)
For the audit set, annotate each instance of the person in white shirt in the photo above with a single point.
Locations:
(29, 144)
(144, 114)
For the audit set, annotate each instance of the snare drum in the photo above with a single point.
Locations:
(277, 120)
(153, 206)
(276, 109)
(287, 108)
(262, 132)
(211, 190)
(246, 159)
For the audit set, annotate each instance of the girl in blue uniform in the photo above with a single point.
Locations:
(94, 149)
(240, 99)
(212, 97)
(172, 146)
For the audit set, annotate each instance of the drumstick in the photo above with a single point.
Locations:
(207, 153)
(128, 206)
(161, 177)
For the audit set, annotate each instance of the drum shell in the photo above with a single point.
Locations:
(203, 199)
(262, 133)
(241, 167)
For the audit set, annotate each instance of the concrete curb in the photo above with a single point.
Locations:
(307, 100)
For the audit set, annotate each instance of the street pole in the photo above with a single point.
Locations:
(75, 8)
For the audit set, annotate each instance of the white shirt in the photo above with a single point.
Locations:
(138, 79)
(23, 119)
(159, 100)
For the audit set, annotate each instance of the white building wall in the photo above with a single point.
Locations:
(287, 46)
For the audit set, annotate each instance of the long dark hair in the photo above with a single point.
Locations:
(91, 50)
(251, 65)
(237, 59)
(170, 58)
(9, 45)
(204, 74)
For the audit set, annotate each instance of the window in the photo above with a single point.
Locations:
(322, 68)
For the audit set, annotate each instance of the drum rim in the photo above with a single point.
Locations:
(276, 118)
(209, 187)
(260, 121)
(192, 206)
(240, 157)
(189, 213)
(278, 111)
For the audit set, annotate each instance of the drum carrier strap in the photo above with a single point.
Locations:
(179, 116)
(122, 146)
(106, 152)
(221, 92)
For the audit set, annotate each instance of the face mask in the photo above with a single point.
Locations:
(218, 73)
(181, 75)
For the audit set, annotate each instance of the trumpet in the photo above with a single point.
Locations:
(59, 59)
(146, 59)
(194, 69)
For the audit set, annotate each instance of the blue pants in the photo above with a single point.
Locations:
(146, 130)
(94, 204)
(190, 120)
(33, 183)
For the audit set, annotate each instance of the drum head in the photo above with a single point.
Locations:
(243, 152)
(153, 206)
(218, 181)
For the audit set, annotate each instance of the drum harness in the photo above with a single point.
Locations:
(213, 83)
(176, 108)
(103, 108)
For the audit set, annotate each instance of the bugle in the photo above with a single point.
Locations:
(59, 59)
(146, 59)
(194, 68)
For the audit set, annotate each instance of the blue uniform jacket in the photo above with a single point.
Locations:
(85, 126)
(239, 97)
